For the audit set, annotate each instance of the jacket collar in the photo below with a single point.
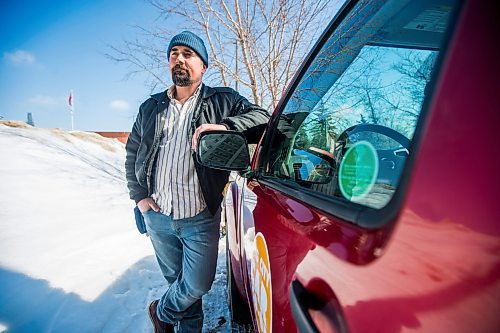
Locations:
(160, 96)
(206, 92)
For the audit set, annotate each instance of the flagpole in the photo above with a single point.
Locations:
(71, 109)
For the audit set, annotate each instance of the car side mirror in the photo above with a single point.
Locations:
(223, 150)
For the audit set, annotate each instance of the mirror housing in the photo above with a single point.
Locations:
(223, 150)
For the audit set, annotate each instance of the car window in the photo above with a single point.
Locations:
(346, 129)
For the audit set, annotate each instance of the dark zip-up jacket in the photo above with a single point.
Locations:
(219, 105)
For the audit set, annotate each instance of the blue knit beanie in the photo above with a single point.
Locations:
(187, 38)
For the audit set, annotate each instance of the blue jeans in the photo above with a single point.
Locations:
(186, 251)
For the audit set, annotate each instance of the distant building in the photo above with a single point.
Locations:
(121, 136)
(30, 120)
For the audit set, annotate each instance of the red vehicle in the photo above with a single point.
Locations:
(371, 202)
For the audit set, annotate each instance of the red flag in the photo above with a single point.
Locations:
(70, 99)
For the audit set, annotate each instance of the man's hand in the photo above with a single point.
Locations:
(203, 128)
(146, 204)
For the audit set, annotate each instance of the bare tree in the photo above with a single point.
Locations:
(256, 45)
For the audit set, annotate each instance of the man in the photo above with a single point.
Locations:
(176, 196)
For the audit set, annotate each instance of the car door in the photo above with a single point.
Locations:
(331, 172)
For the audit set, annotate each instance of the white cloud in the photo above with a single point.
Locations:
(119, 105)
(20, 57)
(43, 100)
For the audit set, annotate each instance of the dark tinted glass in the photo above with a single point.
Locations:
(360, 100)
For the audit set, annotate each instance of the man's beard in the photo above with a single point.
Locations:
(181, 77)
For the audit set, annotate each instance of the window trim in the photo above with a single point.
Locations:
(360, 215)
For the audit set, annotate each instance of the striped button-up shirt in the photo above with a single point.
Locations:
(177, 189)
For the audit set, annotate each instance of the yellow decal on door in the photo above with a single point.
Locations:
(261, 285)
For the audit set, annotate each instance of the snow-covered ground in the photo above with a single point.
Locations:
(71, 259)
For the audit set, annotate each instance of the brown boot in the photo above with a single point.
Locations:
(158, 325)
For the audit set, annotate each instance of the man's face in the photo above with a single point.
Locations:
(186, 66)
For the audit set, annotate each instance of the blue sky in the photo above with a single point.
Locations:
(48, 48)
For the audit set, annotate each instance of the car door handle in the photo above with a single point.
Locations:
(303, 303)
(299, 302)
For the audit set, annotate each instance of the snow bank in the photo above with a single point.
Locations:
(71, 259)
